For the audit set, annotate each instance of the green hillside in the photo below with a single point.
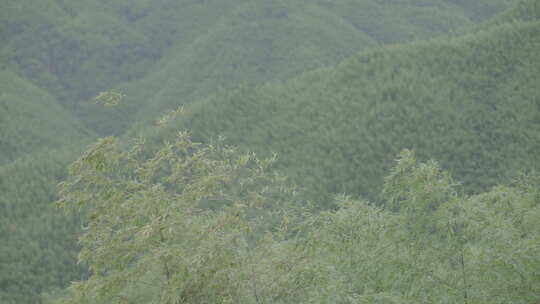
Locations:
(481, 10)
(71, 48)
(470, 102)
(74, 49)
(30, 119)
(254, 44)
(241, 68)
(38, 138)
(257, 42)
(526, 10)
(39, 245)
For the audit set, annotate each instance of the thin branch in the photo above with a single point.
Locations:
(464, 273)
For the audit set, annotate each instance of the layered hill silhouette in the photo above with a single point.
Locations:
(38, 139)
(71, 48)
(469, 101)
(39, 244)
(245, 42)
(31, 120)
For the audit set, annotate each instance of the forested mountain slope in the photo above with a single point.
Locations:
(72, 49)
(188, 49)
(38, 139)
(30, 119)
(256, 43)
(251, 42)
(527, 10)
(39, 245)
(56, 54)
(470, 102)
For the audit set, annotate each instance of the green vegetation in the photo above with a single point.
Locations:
(173, 221)
(469, 101)
(524, 10)
(182, 51)
(258, 42)
(38, 138)
(30, 120)
(205, 224)
(38, 244)
(73, 49)
(335, 88)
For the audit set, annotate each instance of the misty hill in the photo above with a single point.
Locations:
(469, 101)
(71, 48)
(30, 119)
(39, 244)
(525, 10)
(38, 139)
(244, 42)
(182, 51)
(335, 128)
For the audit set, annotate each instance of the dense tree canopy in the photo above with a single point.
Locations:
(336, 88)
(179, 226)
(199, 223)
(39, 244)
(469, 101)
(30, 120)
(185, 50)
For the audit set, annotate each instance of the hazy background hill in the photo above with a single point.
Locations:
(39, 244)
(31, 119)
(254, 42)
(38, 139)
(188, 49)
(71, 48)
(335, 128)
(469, 101)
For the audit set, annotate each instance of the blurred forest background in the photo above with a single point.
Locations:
(337, 89)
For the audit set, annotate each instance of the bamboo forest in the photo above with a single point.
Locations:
(269, 151)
